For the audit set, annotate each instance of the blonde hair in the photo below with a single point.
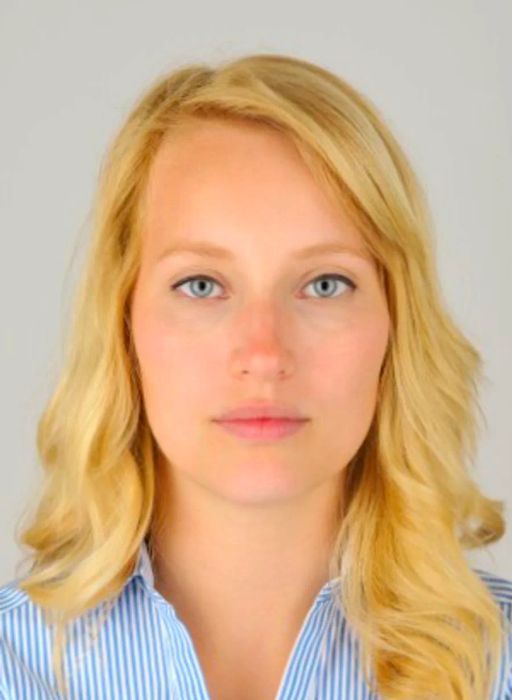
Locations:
(428, 626)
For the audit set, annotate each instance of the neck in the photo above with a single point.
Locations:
(217, 561)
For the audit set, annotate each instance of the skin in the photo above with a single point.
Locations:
(245, 528)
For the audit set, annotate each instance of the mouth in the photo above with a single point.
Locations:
(262, 428)
(258, 410)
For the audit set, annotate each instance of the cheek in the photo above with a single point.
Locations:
(344, 390)
(346, 371)
(177, 369)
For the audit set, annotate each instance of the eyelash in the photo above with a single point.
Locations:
(336, 276)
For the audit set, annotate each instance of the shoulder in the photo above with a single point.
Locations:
(11, 598)
(500, 588)
(26, 646)
(18, 621)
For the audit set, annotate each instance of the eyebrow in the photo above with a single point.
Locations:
(211, 250)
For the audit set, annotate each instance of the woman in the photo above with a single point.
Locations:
(257, 487)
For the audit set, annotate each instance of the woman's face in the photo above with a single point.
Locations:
(263, 327)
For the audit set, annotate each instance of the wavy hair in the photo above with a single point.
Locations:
(427, 624)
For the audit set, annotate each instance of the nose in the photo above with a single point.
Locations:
(262, 346)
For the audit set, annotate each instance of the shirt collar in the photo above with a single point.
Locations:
(143, 567)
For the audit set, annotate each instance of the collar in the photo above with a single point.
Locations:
(143, 567)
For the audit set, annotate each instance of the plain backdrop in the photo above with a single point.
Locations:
(440, 73)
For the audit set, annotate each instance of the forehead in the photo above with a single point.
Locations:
(225, 180)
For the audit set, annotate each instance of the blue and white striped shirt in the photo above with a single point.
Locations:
(144, 651)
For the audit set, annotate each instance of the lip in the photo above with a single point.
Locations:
(260, 411)
(263, 428)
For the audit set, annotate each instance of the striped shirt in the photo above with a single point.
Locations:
(143, 651)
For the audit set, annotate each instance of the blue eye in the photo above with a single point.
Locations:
(188, 280)
(337, 278)
(200, 289)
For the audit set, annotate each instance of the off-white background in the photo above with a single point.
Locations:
(439, 71)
